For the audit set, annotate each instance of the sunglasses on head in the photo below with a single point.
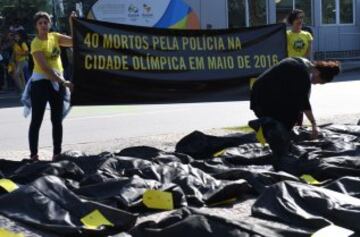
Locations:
(43, 22)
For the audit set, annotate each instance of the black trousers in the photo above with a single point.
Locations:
(288, 117)
(42, 92)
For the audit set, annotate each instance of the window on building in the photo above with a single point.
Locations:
(346, 11)
(284, 7)
(237, 13)
(337, 11)
(328, 11)
(257, 12)
(305, 5)
(244, 13)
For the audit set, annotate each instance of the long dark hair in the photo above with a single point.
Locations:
(23, 37)
(328, 69)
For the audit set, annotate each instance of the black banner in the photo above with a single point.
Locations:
(120, 64)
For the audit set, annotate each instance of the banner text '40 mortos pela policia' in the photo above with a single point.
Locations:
(120, 64)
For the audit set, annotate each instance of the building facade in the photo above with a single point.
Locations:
(335, 23)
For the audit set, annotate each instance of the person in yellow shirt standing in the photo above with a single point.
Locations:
(299, 42)
(47, 82)
(21, 56)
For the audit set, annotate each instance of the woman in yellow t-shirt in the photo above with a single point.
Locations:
(298, 41)
(21, 56)
(47, 81)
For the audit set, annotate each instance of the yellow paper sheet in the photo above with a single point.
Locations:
(158, 200)
(95, 220)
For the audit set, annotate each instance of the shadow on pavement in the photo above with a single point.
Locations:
(348, 76)
(9, 99)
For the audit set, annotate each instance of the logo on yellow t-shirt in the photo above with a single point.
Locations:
(55, 53)
(299, 45)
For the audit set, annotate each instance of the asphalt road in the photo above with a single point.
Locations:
(86, 125)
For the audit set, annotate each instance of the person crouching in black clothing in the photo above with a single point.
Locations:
(283, 91)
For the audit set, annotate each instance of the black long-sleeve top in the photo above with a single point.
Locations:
(284, 87)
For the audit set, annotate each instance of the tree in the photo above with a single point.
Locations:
(23, 10)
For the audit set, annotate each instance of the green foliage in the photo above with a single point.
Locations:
(23, 10)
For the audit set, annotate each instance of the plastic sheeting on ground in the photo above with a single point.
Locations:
(47, 204)
(300, 186)
(194, 222)
(314, 207)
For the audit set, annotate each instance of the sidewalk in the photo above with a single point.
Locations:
(165, 142)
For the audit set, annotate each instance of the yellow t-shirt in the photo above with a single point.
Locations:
(298, 43)
(51, 50)
(18, 50)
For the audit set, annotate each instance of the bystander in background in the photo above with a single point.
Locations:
(299, 41)
(21, 59)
